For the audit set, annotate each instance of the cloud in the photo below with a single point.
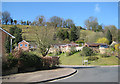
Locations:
(97, 8)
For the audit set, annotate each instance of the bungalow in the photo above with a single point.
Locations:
(64, 47)
(96, 45)
(3, 35)
(23, 45)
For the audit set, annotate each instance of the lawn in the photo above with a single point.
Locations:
(76, 59)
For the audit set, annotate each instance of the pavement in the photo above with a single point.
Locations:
(39, 76)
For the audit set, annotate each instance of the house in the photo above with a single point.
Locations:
(96, 45)
(24, 45)
(64, 47)
(3, 35)
(113, 43)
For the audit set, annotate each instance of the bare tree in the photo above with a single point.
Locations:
(56, 21)
(91, 23)
(44, 39)
(6, 17)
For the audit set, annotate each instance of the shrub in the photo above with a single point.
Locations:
(105, 55)
(103, 40)
(92, 58)
(28, 59)
(79, 41)
(57, 52)
(68, 53)
(10, 63)
(50, 62)
(86, 51)
(117, 46)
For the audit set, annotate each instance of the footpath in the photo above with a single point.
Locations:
(39, 76)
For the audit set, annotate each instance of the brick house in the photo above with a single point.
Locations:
(23, 45)
(3, 35)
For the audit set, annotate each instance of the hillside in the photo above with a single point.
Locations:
(27, 33)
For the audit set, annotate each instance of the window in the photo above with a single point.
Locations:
(21, 45)
(25, 45)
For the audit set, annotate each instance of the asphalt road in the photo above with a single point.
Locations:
(93, 74)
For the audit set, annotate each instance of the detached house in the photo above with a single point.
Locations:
(64, 47)
(3, 35)
(23, 45)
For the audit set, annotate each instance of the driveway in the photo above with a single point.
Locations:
(93, 74)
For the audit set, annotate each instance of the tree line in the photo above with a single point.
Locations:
(90, 24)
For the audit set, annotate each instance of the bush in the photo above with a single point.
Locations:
(28, 59)
(50, 62)
(79, 41)
(92, 58)
(86, 51)
(105, 55)
(103, 40)
(10, 63)
(117, 46)
(57, 52)
(68, 53)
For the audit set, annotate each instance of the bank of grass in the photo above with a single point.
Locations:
(27, 31)
(76, 59)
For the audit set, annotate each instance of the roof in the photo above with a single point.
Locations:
(7, 32)
(23, 41)
(95, 44)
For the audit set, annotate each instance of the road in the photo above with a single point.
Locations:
(93, 74)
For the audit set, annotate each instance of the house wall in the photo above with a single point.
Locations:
(2, 42)
(23, 46)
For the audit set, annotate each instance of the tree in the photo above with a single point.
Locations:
(6, 17)
(56, 21)
(109, 36)
(66, 34)
(100, 28)
(24, 23)
(103, 40)
(27, 22)
(15, 21)
(63, 34)
(21, 22)
(64, 24)
(7, 44)
(91, 23)
(17, 32)
(18, 35)
(69, 23)
(113, 30)
(86, 51)
(40, 20)
(11, 21)
(74, 34)
(44, 39)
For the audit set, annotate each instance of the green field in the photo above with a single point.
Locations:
(76, 59)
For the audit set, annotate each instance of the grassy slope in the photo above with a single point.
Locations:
(26, 32)
(76, 59)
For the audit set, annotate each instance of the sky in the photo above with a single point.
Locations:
(105, 12)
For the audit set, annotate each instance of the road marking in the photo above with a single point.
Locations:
(64, 78)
